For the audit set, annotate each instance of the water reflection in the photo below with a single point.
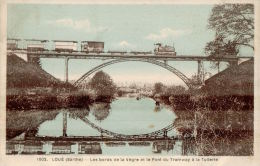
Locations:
(89, 148)
(160, 146)
(62, 148)
(101, 110)
(67, 147)
(157, 108)
(78, 113)
(125, 116)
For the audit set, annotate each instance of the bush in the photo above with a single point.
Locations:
(78, 101)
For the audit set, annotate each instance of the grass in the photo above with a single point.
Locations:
(21, 74)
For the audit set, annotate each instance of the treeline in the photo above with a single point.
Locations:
(182, 99)
(51, 101)
(163, 90)
(216, 103)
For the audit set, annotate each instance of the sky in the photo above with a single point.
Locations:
(121, 27)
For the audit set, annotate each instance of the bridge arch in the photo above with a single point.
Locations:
(184, 78)
(159, 132)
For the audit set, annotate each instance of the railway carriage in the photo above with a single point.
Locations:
(164, 50)
(92, 46)
(65, 46)
(35, 45)
(12, 44)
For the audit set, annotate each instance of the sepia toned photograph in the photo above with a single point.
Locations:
(130, 79)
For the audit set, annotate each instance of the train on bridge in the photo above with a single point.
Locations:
(68, 46)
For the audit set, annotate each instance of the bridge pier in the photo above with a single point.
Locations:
(165, 133)
(66, 69)
(64, 124)
(200, 74)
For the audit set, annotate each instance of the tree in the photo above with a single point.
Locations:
(103, 85)
(233, 23)
(175, 90)
(234, 26)
(194, 80)
(220, 48)
(158, 87)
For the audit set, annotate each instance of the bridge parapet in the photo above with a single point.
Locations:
(128, 55)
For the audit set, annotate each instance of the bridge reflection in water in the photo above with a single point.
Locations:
(109, 135)
(108, 142)
(156, 142)
(86, 147)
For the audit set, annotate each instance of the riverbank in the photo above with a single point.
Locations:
(221, 125)
(53, 101)
(47, 101)
(17, 122)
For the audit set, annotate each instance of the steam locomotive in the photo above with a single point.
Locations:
(92, 46)
(164, 50)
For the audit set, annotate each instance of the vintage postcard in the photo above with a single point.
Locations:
(129, 83)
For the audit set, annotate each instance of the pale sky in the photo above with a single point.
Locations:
(121, 27)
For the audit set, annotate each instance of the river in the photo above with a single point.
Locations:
(127, 116)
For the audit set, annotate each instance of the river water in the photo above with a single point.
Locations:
(124, 115)
(127, 116)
